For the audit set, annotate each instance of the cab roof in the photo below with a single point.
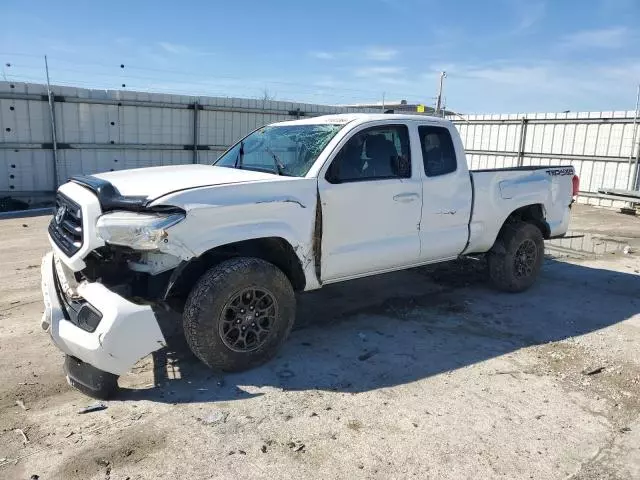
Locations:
(358, 118)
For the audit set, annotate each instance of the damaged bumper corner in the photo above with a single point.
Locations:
(124, 333)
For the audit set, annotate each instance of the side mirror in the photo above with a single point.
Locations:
(333, 173)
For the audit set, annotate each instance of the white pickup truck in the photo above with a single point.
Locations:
(289, 208)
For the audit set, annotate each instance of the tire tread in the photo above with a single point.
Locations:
(202, 298)
(500, 256)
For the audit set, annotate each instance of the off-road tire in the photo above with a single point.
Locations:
(501, 258)
(204, 311)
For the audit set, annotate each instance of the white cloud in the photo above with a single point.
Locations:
(374, 71)
(511, 75)
(370, 53)
(380, 53)
(173, 47)
(386, 75)
(548, 86)
(528, 13)
(327, 82)
(323, 55)
(178, 49)
(612, 37)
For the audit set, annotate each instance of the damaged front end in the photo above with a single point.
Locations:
(140, 276)
(102, 283)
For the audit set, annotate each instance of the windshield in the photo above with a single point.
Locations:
(282, 149)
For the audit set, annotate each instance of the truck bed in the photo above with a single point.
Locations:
(518, 169)
(498, 192)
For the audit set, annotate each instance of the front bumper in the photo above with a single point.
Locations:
(126, 333)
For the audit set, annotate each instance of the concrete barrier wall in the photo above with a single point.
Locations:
(99, 130)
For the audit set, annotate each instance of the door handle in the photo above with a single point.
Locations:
(447, 212)
(406, 197)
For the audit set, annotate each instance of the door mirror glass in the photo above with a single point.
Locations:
(333, 173)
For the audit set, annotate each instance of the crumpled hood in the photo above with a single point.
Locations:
(155, 182)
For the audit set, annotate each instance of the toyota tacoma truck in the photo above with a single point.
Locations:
(289, 208)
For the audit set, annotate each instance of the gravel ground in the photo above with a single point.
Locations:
(426, 373)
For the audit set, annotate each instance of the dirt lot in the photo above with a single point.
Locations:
(420, 374)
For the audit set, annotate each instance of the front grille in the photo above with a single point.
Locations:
(66, 226)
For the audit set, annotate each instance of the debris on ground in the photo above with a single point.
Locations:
(593, 371)
(368, 355)
(263, 449)
(285, 374)
(25, 440)
(362, 336)
(95, 407)
(21, 404)
(214, 418)
(34, 477)
(297, 446)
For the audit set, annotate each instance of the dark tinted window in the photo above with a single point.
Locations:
(373, 154)
(438, 153)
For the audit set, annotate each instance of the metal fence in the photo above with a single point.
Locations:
(45, 139)
(602, 146)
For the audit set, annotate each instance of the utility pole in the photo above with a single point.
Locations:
(632, 181)
(443, 75)
(52, 115)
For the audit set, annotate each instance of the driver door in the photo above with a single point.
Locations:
(371, 205)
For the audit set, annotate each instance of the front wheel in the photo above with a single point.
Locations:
(516, 258)
(239, 313)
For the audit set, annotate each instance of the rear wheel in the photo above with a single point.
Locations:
(239, 313)
(516, 258)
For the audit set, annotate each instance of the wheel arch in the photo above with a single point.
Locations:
(534, 214)
(275, 250)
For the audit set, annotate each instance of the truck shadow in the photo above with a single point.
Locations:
(393, 329)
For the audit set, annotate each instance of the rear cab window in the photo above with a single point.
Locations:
(438, 152)
(375, 153)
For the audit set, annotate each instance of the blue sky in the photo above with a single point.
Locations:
(500, 55)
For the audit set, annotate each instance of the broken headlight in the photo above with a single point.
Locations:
(140, 231)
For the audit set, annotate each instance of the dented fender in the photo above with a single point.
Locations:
(225, 214)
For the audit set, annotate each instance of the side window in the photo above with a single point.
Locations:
(438, 153)
(373, 154)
